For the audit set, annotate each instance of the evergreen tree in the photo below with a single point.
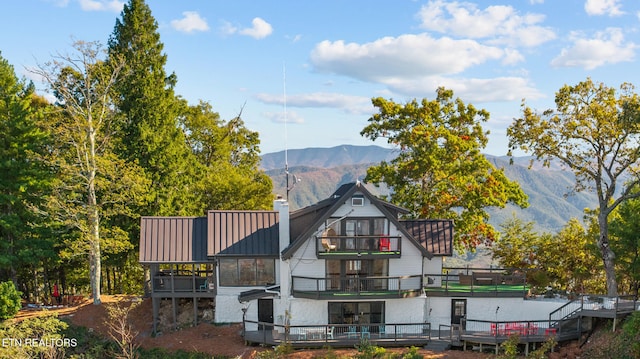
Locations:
(23, 177)
(149, 113)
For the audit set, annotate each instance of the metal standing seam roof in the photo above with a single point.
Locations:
(243, 233)
(173, 240)
(436, 235)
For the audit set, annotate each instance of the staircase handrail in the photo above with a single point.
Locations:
(565, 312)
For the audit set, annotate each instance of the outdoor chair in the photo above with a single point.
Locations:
(330, 333)
(204, 286)
(364, 332)
(385, 244)
(351, 331)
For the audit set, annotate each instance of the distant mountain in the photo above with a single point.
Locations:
(322, 170)
(327, 157)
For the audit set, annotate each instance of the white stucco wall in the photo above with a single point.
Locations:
(229, 309)
(438, 309)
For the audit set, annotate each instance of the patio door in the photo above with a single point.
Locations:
(458, 310)
(265, 312)
(356, 313)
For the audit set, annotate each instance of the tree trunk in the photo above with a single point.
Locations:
(94, 256)
(608, 257)
(95, 262)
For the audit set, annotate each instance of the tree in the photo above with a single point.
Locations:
(517, 246)
(9, 300)
(570, 260)
(625, 233)
(149, 113)
(24, 178)
(229, 160)
(594, 132)
(91, 179)
(564, 260)
(439, 171)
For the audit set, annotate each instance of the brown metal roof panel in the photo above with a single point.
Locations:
(173, 240)
(434, 235)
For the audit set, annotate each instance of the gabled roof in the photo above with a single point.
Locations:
(243, 233)
(173, 240)
(436, 235)
(305, 222)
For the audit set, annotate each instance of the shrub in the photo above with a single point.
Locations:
(412, 354)
(9, 300)
(39, 337)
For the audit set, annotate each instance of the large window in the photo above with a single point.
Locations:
(247, 271)
(356, 313)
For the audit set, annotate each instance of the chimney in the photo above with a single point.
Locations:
(282, 207)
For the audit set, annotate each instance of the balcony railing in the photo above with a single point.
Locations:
(337, 335)
(359, 246)
(381, 287)
(180, 283)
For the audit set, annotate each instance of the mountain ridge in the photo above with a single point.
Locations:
(322, 170)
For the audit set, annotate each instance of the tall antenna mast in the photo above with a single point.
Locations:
(286, 153)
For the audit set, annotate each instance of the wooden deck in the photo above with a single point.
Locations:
(339, 335)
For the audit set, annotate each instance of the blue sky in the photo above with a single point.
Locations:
(331, 57)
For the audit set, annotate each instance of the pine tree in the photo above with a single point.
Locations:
(23, 176)
(150, 111)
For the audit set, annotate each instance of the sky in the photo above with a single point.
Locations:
(303, 73)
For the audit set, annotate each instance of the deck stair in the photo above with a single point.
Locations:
(438, 345)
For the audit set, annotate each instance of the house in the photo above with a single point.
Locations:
(345, 268)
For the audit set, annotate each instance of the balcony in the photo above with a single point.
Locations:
(476, 282)
(174, 285)
(358, 247)
(356, 287)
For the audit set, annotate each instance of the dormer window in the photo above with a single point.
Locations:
(357, 201)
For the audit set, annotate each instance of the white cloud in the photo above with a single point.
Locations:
(496, 24)
(348, 103)
(101, 5)
(406, 56)
(603, 7)
(259, 30)
(606, 47)
(190, 22)
(473, 90)
(280, 117)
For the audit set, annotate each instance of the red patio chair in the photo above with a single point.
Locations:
(385, 244)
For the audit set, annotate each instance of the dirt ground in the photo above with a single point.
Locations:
(205, 338)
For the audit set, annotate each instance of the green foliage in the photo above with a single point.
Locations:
(148, 110)
(510, 347)
(9, 300)
(440, 171)
(593, 132)
(366, 350)
(546, 347)
(566, 261)
(229, 160)
(38, 337)
(625, 241)
(631, 334)
(412, 354)
(24, 176)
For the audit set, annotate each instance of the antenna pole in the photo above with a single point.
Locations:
(284, 101)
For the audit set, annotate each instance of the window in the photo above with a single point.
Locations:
(357, 201)
(247, 271)
(356, 312)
